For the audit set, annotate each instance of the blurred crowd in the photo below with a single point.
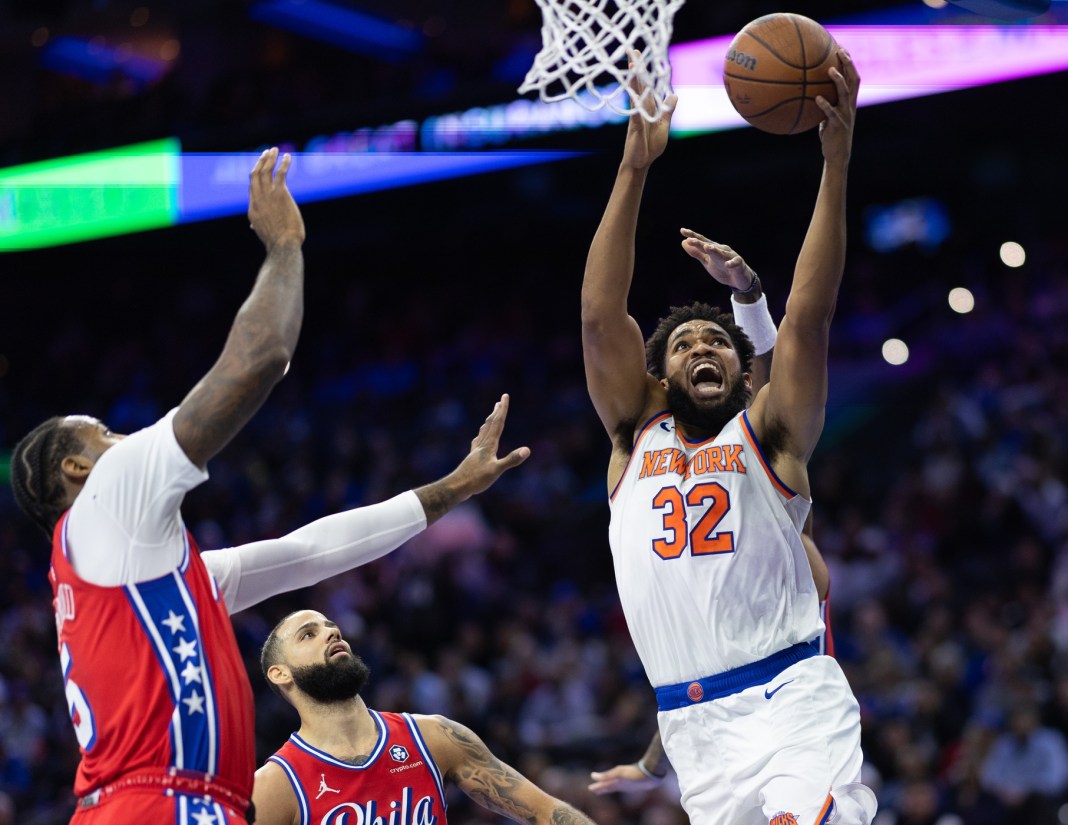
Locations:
(939, 487)
(939, 496)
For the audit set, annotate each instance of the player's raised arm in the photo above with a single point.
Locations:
(748, 304)
(248, 574)
(464, 758)
(794, 401)
(480, 469)
(264, 334)
(612, 344)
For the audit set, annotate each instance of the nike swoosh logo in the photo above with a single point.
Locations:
(665, 426)
(769, 693)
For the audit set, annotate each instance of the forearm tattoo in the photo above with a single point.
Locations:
(566, 815)
(486, 779)
(437, 499)
(655, 759)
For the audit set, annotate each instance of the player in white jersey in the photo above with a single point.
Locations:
(653, 765)
(709, 495)
(750, 311)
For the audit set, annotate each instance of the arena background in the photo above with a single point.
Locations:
(939, 485)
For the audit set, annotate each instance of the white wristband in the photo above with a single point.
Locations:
(755, 321)
(641, 766)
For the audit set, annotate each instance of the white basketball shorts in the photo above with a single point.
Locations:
(782, 753)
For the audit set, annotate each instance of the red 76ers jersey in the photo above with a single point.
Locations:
(399, 784)
(153, 675)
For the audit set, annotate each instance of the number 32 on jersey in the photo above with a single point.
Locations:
(702, 538)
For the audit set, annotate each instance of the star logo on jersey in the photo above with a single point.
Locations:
(783, 818)
(190, 673)
(202, 817)
(195, 703)
(399, 753)
(186, 649)
(174, 622)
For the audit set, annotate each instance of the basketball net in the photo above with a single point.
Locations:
(584, 49)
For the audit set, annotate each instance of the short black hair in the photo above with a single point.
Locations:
(656, 344)
(271, 652)
(35, 471)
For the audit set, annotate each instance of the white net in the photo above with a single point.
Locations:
(584, 53)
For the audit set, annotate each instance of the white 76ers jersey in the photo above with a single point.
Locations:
(706, 542)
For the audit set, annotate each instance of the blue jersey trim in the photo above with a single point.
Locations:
(380, 745)
(298, 789)
(428, 760)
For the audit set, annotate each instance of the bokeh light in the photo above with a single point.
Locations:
(1012, 254)
(895, 351)
(961, 300)
(169, 50)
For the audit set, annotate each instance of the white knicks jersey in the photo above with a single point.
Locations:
(706, 542)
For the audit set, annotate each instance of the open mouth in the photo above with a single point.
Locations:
(336, 649)
(706, 378)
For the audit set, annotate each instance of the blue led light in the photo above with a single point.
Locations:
(98, 63)
(339, 26)
(217, 185)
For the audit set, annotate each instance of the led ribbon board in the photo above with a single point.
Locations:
(895, 63)
(76, 198)
(217, 185)
(152, 185)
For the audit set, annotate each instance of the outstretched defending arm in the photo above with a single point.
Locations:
(613, 347)
(264, 333)
(793, 403)
(464, 759)
(253, 572)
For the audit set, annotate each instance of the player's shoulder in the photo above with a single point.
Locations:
(270, 770)
(450, 742)
(430, 725)
(630, 432)
(132, 451)
(273, 796)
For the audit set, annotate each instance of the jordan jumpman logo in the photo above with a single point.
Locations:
(323, 787)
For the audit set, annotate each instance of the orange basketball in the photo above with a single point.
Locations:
(775, 68)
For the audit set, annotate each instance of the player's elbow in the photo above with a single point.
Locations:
(599, 319)
(809, 318)
(592, 312)
(600, 306)
(270, 363)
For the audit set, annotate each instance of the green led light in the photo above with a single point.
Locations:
(76, 198)
(5, 468)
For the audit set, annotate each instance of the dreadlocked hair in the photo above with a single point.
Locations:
(656, 344)
(35, 471)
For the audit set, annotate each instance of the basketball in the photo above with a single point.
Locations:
(775, 68)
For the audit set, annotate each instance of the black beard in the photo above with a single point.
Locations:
(332, 681)
(708, 419)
